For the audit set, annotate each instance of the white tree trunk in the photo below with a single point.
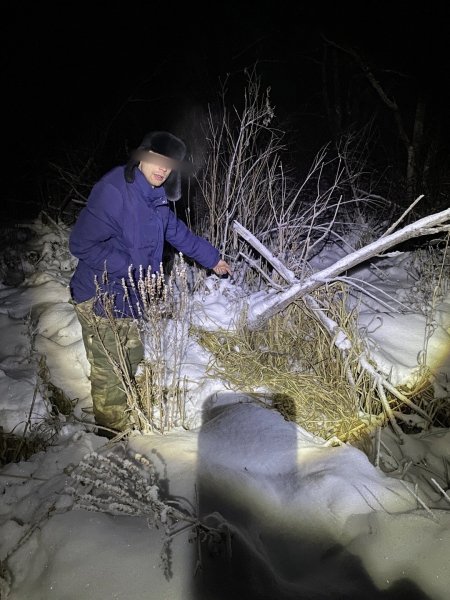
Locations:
(279, 301)
(426, 226)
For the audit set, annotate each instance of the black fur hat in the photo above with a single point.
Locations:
(166, 144)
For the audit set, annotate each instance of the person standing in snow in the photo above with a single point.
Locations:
(124, 226)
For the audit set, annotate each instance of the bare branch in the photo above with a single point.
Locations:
(279, 301)
(410, 207)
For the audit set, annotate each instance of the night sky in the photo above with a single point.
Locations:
(72, 70)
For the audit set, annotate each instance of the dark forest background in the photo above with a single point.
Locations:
(83, 82)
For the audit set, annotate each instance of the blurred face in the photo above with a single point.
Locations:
(156, 168)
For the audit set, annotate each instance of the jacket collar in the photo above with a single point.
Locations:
(148, 191)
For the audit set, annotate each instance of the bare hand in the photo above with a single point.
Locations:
(222, 268)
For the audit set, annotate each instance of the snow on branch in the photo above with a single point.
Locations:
(301, 289)
(122, 482)
(428, 225)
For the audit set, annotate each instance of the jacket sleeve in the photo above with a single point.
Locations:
(95, 236)
(181, 237)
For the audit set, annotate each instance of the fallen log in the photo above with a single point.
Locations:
(301, 289)
(278, 301)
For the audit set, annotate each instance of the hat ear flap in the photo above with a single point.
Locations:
(172, 186)
(129, 170)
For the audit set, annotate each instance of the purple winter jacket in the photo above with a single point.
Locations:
(126, 224)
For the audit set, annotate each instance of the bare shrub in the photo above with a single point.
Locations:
(429, 270)
(161, 308)
(122, 482)
(164, 323)
(246, 179)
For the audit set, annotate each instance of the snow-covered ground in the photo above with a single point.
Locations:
(307, 520)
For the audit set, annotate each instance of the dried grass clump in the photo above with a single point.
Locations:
(422, 393)
(294, 359)
(15, 448)
(162, 396)
(37, 436)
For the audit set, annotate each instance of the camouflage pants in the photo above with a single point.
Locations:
(100, 340)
